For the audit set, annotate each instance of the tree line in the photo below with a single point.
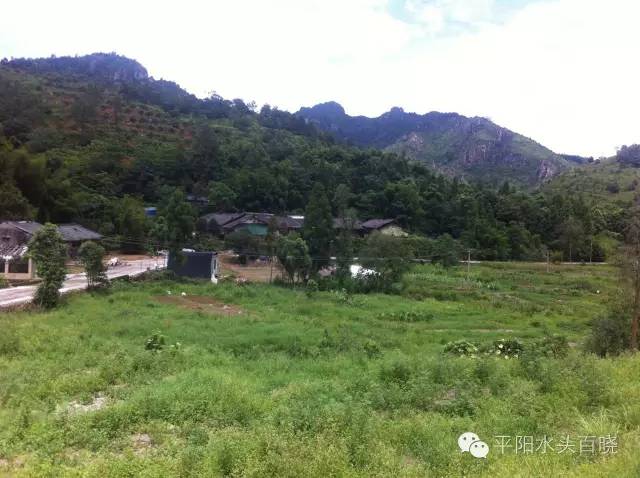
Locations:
(63, 164)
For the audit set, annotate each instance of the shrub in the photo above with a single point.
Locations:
(398, 372)
(507, 348)
(461, 348)
(555, 346)
(372, 349)
(155, 343)
(407, 316)
(609, 336)
(91, 255)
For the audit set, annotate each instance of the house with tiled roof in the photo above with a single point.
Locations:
(15, 237)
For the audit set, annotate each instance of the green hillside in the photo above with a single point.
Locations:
(606, 180)
(94, 139)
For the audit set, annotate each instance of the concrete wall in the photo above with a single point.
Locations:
(30, 274)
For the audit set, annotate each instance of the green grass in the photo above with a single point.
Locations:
(327, 385)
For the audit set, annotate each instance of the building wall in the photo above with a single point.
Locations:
(393, 230)
(29, 274)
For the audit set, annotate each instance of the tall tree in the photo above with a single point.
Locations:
(131, 224)
(293, 255)
(571, 233)
(221, 196)
(346, 227)
(179, 218)
(318, 226)
(92, 256)
(49, 252)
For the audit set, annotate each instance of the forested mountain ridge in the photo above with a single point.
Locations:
(452, 144)
(94, 139)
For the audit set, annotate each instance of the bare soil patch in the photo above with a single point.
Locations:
(201, 303)
(253, 272)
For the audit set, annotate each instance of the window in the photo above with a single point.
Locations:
(19, 266)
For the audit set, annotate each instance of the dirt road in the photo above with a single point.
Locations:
(20, 295)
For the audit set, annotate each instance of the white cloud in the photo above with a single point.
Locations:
(560, 71)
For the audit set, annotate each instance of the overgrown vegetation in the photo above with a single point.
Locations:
(318, 384)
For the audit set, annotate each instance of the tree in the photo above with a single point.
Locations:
(49, 252)
(293, 254)
(92, 256)
(318, 226)
(131, 224)
(445, 251)
(389, 256)
(344, 239)
(221, 196)
(570, 234)
(180, 221)
(270, 241)
(13, 204)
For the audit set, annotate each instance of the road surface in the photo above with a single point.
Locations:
(13, 296)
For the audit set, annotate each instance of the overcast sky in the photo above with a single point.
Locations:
(563, 72)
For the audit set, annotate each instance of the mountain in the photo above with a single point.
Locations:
(452, 144)
(614, 180)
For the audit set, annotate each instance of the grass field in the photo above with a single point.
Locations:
(260, 380)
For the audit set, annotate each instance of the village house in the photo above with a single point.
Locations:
(257, 224)
(15, 237)
(384, 226)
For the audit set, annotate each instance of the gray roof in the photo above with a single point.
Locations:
(222, 218)
(76, 232)
(377, 223)
(30, 227)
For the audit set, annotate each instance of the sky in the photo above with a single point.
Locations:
(563, 72)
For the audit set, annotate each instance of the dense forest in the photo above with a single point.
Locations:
(94, 139)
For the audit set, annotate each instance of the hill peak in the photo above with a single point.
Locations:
(450, 143)
(99, 66)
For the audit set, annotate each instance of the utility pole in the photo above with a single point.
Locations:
(468, 264)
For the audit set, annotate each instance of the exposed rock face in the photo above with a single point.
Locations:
(450, 143)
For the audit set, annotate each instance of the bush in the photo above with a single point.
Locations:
(461, 348)
(555, 346)
(398, 372)
(507, 348)
(372, 349)
(609, 336)
(155, 343)
(407, 316)
(556, 257)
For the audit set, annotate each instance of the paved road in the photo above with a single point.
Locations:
(23, 294)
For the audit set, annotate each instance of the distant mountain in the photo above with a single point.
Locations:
(455, 145)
